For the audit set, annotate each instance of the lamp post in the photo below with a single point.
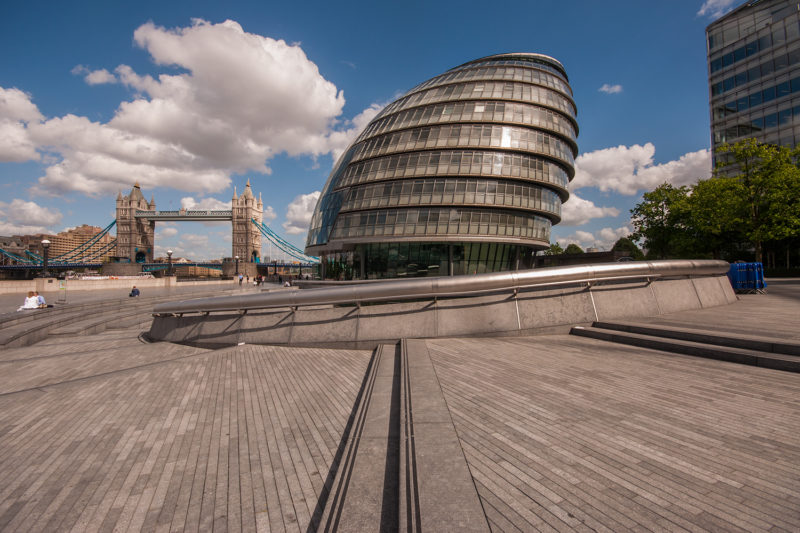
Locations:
(237, 267)
(169, 260)
(46, 246)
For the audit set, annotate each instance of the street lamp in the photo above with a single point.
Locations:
(237, 266)
(169, 260)
(46, 246)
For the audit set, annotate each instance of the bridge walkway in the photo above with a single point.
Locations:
(555, 433)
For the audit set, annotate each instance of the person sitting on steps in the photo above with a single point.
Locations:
(134, 292)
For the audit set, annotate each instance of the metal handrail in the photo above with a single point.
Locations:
(455, 286)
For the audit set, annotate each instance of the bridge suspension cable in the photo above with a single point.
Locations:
(80, 249)
(285, 246)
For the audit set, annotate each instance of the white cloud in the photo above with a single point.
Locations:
(168, 232)
(610, 89)
(19, 217)
(99, 77)
(298, 214)
(716, 8)
(268, 214)
(17, 112)
(577, 211)
(229, 102)
(94, 77)
(628, 170)
(210, 204)
(603, 239)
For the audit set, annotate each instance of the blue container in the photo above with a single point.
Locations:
(747, 277)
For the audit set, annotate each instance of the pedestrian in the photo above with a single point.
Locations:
(134, 292)
(241, 279)
(280, 280)
(31, 302)
(40, 300)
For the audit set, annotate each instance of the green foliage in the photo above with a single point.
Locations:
(555, 249)
(625, 244)
(756, 204)
(657, 221)
(769, 195)
(573, 249)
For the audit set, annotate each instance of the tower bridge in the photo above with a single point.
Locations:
(136, 220)
(134, 246)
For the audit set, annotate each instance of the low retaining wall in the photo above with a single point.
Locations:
(53, 284)
(531, 310)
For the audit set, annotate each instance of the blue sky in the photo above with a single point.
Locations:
(97, 95)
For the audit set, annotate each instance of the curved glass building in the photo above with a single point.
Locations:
(464, 174)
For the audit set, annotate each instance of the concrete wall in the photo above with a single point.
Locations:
(53, 284)
(530, 311)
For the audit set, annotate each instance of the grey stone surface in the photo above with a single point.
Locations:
(104, 432)
(627, 299)
(531, 310)
(672, 297)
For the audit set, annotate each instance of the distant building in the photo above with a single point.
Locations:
(12, 245)
(754, 74)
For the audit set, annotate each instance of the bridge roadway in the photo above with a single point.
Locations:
(102, 432)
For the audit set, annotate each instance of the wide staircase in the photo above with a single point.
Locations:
(24, 328)
(763, 351)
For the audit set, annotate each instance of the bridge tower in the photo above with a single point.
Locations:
(246, 237)
(135, 237)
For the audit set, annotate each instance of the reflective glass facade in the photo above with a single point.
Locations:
(754, 74)
(465, 173)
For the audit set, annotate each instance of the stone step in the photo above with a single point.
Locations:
(698, 349)
(733, 340)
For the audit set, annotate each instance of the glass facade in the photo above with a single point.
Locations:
(754, 74)
(465, 173)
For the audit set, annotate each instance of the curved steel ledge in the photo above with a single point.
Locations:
(412, 289)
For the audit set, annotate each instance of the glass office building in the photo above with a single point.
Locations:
(754, 74)
(463, 174)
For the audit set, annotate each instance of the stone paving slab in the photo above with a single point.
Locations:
(569, 434)
(239, 439)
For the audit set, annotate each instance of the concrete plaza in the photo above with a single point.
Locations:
(102, 432)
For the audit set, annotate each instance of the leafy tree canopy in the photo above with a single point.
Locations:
(625, 244)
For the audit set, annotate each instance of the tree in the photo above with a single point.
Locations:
(555, 249)
(573, 249)
(625, 244)
(770, 191)
(657, 222)
(712, 215)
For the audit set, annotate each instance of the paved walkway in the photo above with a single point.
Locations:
(559, 433)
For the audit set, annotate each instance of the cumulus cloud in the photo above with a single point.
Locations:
(603, 239)
(629, 169)
(210, 204)
(20, 217)
(268, 214)
(168, 232)
(94, 77)
(577, 211)
(17, 112)
(229, 101)
(716, 8)
(298, 214)
(610, 89)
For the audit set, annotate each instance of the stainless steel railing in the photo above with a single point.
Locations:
(456, 286)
